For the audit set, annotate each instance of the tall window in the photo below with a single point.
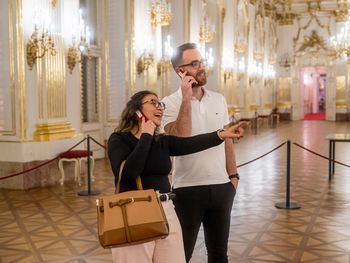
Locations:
(90, 85)
(90, 65)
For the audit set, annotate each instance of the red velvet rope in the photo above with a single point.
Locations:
(276, 148)
(104, 147)
(322, 156)
(261, 156)
(42, 164)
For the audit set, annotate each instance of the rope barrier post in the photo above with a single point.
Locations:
(330, 160)
(255, 121)
(288, 204)
(89, 191)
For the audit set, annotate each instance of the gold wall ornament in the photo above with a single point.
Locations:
(314, 41)
(160, 13)
(285, 19)
(341, 14)
(38, 45)
(270, 10)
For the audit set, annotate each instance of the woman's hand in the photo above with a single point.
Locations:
(235, 131)
(147, 126)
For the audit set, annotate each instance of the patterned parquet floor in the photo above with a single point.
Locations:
(55, 224)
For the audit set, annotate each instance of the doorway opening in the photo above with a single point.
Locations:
(314, 81)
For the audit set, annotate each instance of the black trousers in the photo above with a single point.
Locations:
(210, 205)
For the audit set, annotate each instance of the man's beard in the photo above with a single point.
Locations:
(201, 78)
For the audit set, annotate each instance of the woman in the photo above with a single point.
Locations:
(147, 154)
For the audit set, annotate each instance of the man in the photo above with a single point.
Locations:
(204, 183)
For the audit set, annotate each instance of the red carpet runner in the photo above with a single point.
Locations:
(319, 116)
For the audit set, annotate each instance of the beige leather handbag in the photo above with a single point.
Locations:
(131, 217)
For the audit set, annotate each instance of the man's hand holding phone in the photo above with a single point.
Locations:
(187, 83)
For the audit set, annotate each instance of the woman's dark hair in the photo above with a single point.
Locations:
(129, 118)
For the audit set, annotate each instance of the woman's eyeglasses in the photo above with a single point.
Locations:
(156, 103)
(195, 63)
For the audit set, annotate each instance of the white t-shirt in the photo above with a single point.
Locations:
(210, 114)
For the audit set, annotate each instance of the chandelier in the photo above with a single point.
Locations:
(40, 41)
(340, 42)
(160, 13)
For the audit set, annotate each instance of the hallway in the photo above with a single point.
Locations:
(56, 225)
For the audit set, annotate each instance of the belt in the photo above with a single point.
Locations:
(166, 197)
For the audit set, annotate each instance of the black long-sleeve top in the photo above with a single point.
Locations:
(149, 157)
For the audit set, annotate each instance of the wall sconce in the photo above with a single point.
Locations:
(270, 72)
(40, 41)
(160, 13)
(255, 71)
(240, 68)
(286, 62)
(208, 56)
(164, 64)
(144, 61)
(79, 47)
(147, 58)
(227, 65)
(240, 75)
(206, 31)
(227, 75)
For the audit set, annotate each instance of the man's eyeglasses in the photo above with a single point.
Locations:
(195, 63)
(155, 103)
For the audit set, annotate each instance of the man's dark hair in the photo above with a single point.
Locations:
(176, 59)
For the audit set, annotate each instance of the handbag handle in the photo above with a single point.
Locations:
(138, 179)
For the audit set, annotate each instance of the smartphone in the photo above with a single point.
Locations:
(140, 115)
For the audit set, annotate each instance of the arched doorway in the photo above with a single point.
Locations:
(323, 71)
(314, 81)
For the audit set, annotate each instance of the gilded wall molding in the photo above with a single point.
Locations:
(130, 46)
(53, 131)
(106, 49)
(12, 86)
(21, 71)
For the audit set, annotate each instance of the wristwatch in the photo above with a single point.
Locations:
(236, 175)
